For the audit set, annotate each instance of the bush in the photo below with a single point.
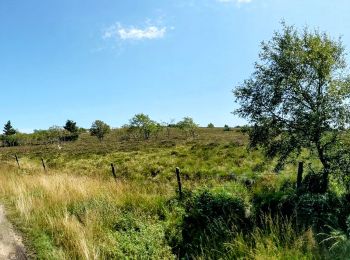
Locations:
(320, 211)
(274, 203)
(140, 238)
(10, 140)
(312, 183)
(209, 220)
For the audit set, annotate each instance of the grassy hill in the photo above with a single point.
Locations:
(233, 204)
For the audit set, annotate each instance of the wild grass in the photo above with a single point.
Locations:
(276, 239)
(80, 217)
(76, 210)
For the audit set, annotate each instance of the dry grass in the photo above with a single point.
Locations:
(77, 213)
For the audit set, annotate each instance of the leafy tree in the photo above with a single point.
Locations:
(99, 129)
(55, 134)
(227, 128)
(8, 129)
(297, 96)
(71, 127)
(143, 125)
(188, 126)
(210, 125)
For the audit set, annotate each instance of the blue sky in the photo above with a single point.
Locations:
(108, 59)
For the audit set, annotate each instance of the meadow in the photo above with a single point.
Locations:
(233, 206)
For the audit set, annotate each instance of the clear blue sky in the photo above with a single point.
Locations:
(108, 59)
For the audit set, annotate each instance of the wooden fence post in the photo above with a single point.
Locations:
(43, 163)
(17, 160)
(300, 175)
(113, 172)
(179, 181)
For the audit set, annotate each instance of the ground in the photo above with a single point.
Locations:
(11, 246)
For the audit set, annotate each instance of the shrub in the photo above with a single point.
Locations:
(274, 203)
(312, 182)
(320, 211)
(140, 238)
(209, 220)
(10, 140)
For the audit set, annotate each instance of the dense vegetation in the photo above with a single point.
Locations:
(234, 205)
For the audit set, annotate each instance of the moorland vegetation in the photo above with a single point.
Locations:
(243, 195)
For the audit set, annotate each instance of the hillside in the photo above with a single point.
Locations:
(232, 205)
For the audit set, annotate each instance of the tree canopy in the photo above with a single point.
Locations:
(71, 126)
(297, 96)
(144, 125)
(99, 129)
(188, 125)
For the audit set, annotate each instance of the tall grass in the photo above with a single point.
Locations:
(68, 216)
(79, 217)
(76, 210)
(276, 239)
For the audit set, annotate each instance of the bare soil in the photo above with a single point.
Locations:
(11, 246)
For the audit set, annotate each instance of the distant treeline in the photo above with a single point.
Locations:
(140, 127)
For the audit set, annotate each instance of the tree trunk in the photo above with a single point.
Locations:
(325, 180)
(326, 168)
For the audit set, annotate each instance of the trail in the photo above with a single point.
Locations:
(11, 246)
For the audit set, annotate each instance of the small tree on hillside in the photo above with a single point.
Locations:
(9, 137)
(72, 128)
(8, 129)
(142, 124)
(227, 128)
(99, 129)
(210, 125)
(297, 97)
(188, 126)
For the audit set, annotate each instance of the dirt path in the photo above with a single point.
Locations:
(11, 246)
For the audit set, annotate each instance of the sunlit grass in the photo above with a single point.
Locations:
(77, 210)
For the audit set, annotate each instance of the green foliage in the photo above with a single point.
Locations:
(297, 96)
(143, 126)
(338, 244)
(210, 217)
(71, 126)
(274, 238)
(227, 128)
(99, 129)
(312, 183)
(276, 203)
(320, 211)
(9, 137)
(10, 140)
(8, 129)
(137, 237)
(210, 125)
(188, 126)
(73, 130)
